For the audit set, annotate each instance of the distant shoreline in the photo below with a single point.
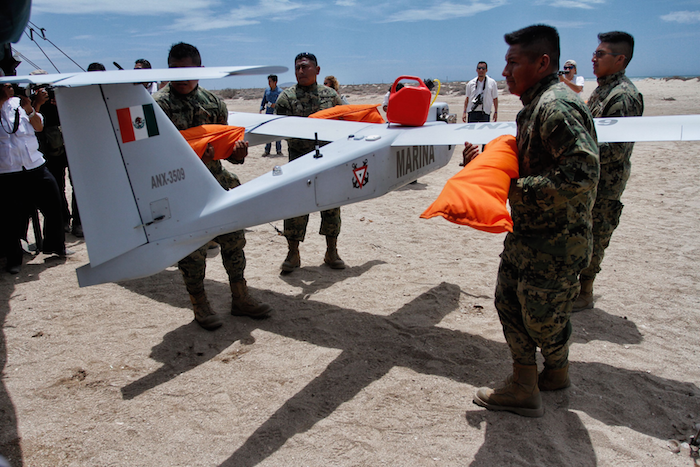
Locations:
(449, 88)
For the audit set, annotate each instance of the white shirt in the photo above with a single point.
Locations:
(490, 90)
(20, 149)
(579, 81)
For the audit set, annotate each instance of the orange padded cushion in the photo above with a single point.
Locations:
(222, 137)
(476, 196)
(355, 113)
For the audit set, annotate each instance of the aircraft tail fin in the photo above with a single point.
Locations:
(135, 177)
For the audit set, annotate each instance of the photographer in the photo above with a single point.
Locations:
(569, 77)
(51, 146)
(25, 182)
(482, 94)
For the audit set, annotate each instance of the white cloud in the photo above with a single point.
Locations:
(268, 10)
(444, 11)
(346, 3)
(123, 7)
(684, 17)
(581, 4)
(188, 15)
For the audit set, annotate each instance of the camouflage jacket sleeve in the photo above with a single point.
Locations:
(283, 106)
(616, 96)
(568, 168)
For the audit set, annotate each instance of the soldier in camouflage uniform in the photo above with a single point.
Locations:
(551, 205)
(188, 105)
(301, 100)
(615, 96)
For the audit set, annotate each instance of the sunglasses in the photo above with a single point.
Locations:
(308, 55)
(480, 68)
(603, 53)
(568, 68)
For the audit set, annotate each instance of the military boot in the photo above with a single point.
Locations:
(553, 379)
(203, 313)
(584, 300)
(519, 394)
(332, 258)
(293, 260)
(242, 304)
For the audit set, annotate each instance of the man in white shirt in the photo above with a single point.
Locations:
(482, 96)
(569, 77)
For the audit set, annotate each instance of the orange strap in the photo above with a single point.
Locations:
(222, 137)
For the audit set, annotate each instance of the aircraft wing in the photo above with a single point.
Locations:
(142, 76)
(610, 130)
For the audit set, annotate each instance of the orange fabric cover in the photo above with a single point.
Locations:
(355, 113)
(222, 137)
(476, 196)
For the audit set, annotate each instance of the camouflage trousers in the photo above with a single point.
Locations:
(606, 218)
(534, 299)
(295, 228)
(194, 266)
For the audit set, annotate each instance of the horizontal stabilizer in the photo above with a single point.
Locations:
(295, 127)
(142, 75)
(143, 261)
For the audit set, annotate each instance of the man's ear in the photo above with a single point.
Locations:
(620, 61)
(318, 70)
(544, 63)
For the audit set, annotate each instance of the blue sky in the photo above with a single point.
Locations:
(358, 41)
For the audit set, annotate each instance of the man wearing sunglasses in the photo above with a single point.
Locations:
(301, 100)
(570, 78)
(615, 96)
(482, 91)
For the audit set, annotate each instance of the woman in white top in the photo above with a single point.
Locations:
(569, 77)
(25, 182)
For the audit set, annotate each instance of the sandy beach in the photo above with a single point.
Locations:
(373, 365)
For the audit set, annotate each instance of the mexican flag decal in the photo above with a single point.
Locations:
(138, 122)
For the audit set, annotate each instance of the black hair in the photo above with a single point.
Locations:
(272, 77)
(143, 62)
(621, 42)
(487, 65)
(308, 55)
(536, 41)
(181, 51)
(96, 66)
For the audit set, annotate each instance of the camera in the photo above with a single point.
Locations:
(478, 100)
(48, 88)
(561, 73)
(20, 91)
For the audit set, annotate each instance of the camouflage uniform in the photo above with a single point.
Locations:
(551, 208)
(302, 101)
(198, 108)
(615, 96)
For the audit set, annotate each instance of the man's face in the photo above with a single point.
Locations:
(481, 70)
(183, 87)
(604, 62)
(272, 83)
(570, 70)
(139, 66)
(6, 92)
(521, 74)
(306, 71)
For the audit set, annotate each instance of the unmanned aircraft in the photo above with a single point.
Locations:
(146, 200)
